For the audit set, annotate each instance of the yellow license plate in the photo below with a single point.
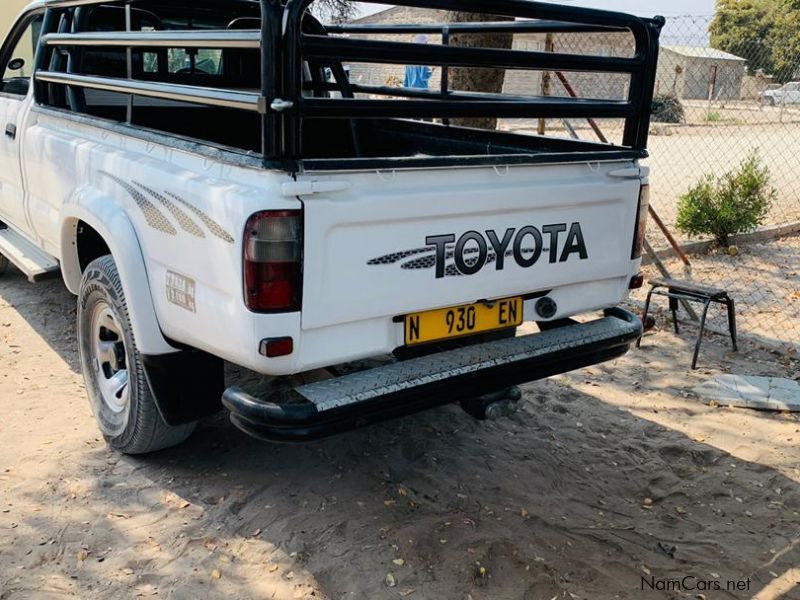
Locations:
(459, 321)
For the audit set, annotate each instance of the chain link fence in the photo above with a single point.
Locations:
(731, 109)
(713, 110)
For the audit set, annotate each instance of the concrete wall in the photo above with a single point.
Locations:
(9, 10)
(753, 85)
(671, 74)
(690, 77)
(728, 85)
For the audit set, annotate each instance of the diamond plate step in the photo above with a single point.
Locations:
(404, 376)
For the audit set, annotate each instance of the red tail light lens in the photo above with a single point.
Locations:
(275, 347)
(273, 252)
(641, 222)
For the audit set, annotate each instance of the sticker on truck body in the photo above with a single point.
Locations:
(181, 291)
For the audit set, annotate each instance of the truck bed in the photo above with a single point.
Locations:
(399, 143)
(332, 144)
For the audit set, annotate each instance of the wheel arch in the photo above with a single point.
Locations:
(91, 217)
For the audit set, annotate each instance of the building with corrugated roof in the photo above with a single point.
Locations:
(700, 73)
(9, 9)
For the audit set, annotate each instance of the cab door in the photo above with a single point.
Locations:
(16, 96)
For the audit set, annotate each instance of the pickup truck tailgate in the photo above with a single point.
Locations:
(391, 243)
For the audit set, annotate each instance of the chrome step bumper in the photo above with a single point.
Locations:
(335, 405)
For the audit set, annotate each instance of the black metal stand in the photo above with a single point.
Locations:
(676, 289)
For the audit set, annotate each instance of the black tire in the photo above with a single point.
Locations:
(3, 265)
(121, 399)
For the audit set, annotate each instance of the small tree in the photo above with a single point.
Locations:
(337, 11)
(765, 32)
(737, 202)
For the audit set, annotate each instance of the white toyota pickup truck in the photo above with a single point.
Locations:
(218, 180)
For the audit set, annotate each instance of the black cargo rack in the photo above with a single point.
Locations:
(447, 104)
(288, 39)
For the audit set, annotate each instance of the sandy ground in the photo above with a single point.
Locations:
(606, 476)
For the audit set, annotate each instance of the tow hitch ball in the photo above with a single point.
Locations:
(494, 406)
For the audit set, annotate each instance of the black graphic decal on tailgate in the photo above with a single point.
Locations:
(473, 251)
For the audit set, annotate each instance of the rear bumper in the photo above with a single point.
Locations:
(326, 408)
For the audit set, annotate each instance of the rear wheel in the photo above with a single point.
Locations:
(121, 399)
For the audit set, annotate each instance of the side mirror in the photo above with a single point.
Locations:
(16, 64)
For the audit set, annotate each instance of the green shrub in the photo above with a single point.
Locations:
(667, 108)
(737, 202)
(713, 117)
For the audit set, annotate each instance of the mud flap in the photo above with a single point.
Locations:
(186, 385)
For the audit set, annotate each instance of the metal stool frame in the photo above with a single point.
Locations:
(692, 293)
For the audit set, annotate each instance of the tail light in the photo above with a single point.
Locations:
(273, 249)
(641, 222)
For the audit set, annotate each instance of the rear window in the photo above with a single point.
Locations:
(230, 69)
